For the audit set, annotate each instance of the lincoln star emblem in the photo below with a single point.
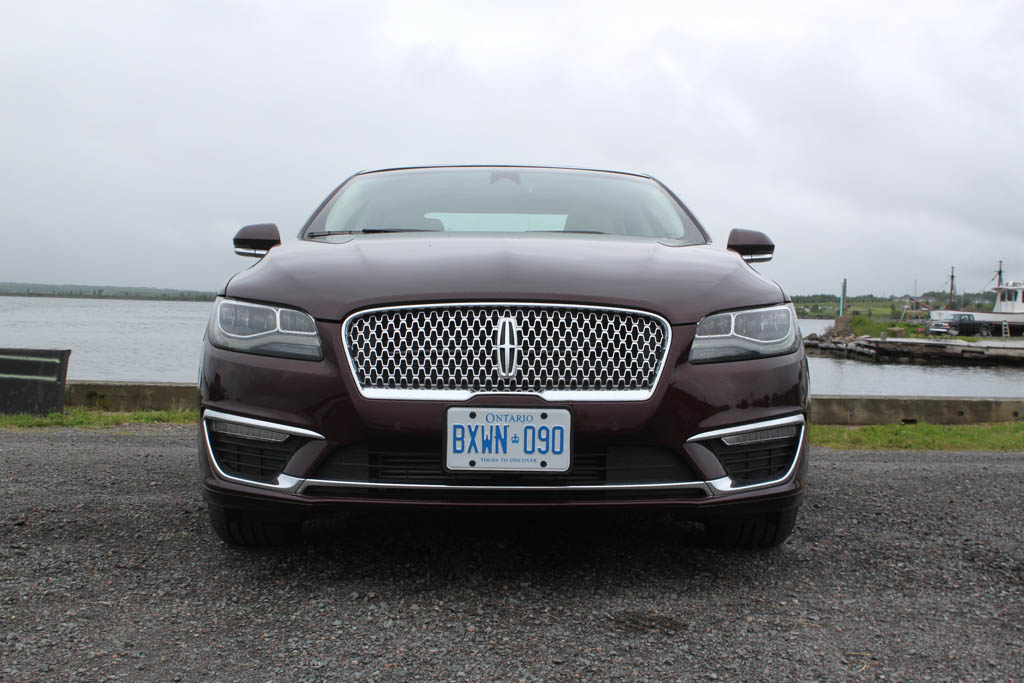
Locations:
(507, 347)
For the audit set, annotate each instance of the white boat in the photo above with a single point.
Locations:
(1009, 298)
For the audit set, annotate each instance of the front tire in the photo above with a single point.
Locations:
(753, 533)
(243, 529)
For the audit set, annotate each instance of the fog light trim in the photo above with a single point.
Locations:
(725, 485)
(210, 416)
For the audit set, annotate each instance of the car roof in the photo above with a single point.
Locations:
(524, 166)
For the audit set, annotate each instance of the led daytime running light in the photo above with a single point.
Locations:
(761, 436)
(246, 432)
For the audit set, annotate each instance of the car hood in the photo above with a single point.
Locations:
(332, 278)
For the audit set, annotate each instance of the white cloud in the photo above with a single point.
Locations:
(877, 142)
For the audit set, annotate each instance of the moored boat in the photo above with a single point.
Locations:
(1005, 319)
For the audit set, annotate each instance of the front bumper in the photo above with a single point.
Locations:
(307, 496)
(326, 420)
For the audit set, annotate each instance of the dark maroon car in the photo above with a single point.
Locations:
(517, 337)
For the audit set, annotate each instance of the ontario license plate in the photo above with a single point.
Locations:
(508, 439)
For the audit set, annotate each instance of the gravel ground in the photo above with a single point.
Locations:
(903, 566)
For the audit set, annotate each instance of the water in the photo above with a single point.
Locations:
(848, 377)
(150, 341)
(159, 341)
(814, 326)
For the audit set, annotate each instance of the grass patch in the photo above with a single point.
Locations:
(862, 326)
(874, 328)
(81, 417)
(1000, 436)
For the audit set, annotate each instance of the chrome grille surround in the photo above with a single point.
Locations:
(451, 351)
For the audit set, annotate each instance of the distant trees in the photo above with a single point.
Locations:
(76, 291)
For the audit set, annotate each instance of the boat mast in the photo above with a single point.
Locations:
(952, 280)
(999, 275)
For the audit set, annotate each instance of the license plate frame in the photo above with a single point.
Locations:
(526, 431)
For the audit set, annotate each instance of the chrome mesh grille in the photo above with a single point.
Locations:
(455, 351)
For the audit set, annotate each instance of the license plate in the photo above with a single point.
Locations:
(508, 439)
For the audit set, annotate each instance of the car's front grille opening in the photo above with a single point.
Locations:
(443, 350)
(592, 464)
(755, 462)
(253, 459)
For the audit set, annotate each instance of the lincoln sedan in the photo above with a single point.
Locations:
(503, 337)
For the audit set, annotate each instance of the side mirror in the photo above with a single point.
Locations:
(753, 246)
(257, 240)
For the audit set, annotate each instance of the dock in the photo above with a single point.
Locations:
(921, 351)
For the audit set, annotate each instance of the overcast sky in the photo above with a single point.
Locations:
(877, 142)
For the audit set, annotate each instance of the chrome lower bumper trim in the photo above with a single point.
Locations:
(469, 487)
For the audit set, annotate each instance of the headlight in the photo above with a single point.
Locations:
(264, 330)
(739, 335)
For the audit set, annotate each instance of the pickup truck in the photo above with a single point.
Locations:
(965, 324)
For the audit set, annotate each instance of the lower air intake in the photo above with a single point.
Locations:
(251, 459)
(756, 463)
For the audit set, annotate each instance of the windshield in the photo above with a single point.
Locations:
(505, 200)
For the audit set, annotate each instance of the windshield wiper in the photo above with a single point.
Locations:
(367, 231)
(373, 230)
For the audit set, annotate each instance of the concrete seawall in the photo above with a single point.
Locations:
(124, 396)
(869, 410)
(833, 410)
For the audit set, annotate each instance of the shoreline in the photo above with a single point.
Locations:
(996, 351)
(34, 295)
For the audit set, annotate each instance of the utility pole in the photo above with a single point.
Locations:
(952, 286)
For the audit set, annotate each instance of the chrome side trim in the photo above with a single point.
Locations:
(463, 395)
(306, 483)
(725, 484)
(260, 424)
(288, 483)
(255, 253)
(284, 482)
